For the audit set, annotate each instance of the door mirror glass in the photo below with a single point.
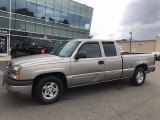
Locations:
(80, 55)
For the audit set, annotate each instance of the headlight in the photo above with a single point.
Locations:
(16, 72)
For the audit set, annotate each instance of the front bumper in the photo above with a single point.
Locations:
(20, 87)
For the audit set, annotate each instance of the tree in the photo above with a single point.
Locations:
(3, 8)
(65, 21)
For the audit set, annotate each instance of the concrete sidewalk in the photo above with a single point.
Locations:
(5, 58)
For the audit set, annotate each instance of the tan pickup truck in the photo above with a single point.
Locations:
(75, 63)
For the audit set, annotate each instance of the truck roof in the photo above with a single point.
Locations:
(93, 40)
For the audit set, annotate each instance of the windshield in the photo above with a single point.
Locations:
(65, 48)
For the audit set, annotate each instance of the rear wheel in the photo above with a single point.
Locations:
(138, 77)
(49, 90)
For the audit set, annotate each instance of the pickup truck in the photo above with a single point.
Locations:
(71, 64)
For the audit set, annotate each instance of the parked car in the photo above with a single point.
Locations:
(3, 48)
(31, 47)
(72, 64)
(157, 55)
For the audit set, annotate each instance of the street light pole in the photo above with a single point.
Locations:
(9, 33)
(130, 41)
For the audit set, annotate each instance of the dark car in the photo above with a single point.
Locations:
(3, 42)
(31, 47)
(157, 55)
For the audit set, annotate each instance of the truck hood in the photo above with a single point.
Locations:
(36, 60)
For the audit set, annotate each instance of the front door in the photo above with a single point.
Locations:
(3, 45)
(90, 69)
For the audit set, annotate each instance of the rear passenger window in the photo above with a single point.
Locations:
(109, 49)
(92, 50)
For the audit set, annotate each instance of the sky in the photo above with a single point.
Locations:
(114, 19)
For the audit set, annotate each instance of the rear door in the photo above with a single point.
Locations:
(113, 61)
(90, 69)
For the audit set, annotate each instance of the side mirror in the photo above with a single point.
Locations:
(80, 55)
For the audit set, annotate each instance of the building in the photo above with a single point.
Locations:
(141, 46)
(42, 19)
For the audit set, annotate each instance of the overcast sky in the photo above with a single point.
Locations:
(114, 19)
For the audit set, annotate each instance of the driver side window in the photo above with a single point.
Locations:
(92, 50)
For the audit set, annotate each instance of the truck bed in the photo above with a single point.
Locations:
(131, 60)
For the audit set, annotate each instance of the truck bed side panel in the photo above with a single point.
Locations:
(130, 62)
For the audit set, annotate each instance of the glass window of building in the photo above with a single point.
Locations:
(78, 6)
(4, 13)
(57, 2)
(12, 24)
(89, 10)
(83, 8)
(4, 5)
(75, 34)
(63, 32)
(82, 22)
(20, 25)
(69, 33)
(55, 31)
(57, 14)
(80, 34)
(48, 30)
(31, 9)
(88, 23)
(13, 5)
(49, 3)
(65, 3)
(64, 17)
(76, 20)
(71, 18)
(21, 7)
(39, 28)
(30, 27)
(49, 14)
(42, 2)
(41, 11)
(4, 22)
(86, 35)
(71, 4)
(64, 8)
(56, 6)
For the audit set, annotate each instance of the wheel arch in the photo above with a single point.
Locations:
(60, 75)
(144, 66)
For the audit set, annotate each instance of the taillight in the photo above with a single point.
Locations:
(43, 50)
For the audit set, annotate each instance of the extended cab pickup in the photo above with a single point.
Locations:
(74, 63)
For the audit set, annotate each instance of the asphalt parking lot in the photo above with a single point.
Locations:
(116, 100)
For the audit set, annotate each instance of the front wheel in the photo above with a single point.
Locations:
(49, 90)
(139, 77)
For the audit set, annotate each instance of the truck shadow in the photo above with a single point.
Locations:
(70, 94)
(96, 88)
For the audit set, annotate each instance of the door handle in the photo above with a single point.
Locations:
(100, 62)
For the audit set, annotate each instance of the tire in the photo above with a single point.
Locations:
(48, 90)
(139, 77)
